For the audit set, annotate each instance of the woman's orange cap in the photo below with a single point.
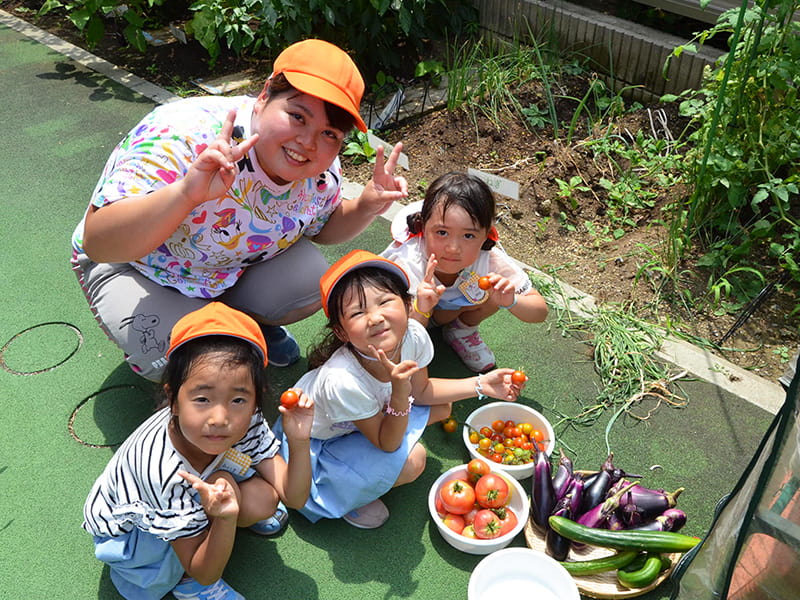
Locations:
(355, 259)
(320, 69)
(217, 318)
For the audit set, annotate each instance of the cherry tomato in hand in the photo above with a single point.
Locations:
(484, 283)
(449, 425)
(289, 398)
(518, 377)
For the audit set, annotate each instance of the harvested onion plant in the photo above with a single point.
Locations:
(632, 382)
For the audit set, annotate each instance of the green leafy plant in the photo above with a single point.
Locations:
(430, 69)
(358, 147)
(746, 138)
(536, 117)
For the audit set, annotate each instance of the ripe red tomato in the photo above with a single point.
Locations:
(458, 496)
(469, 517)
(484, 283)
(486, 432)
(491, 491)
(439, 506)
(519, 377)
(508, 519)
(477, 468)
(537, 435)
(454, 522)
(449, 425)
(486, 525)
(289, 398)
(496, 457)
(498, 426)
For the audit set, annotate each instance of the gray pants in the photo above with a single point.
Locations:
(138, 314)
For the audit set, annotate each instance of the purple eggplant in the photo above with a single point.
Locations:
(596, 516)
(557, 545)
(595, 491)
(641, 504)
(672, 519)
(543, 497)
(614, 521)
(563, 475)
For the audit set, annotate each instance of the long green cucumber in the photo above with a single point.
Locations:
(651, 541)
(600, 565)
(645, 575)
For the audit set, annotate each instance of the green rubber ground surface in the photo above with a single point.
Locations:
(67, 397)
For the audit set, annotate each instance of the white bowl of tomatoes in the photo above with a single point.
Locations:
(508, 434)
(477, 508)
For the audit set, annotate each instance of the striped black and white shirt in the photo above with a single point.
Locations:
(140, 486)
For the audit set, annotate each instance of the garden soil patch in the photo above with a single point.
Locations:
(570, 238)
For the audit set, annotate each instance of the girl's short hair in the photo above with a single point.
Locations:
(458, 189)
(357, 280)
(338, 117)
(233, 352)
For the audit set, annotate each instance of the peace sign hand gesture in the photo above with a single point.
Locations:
(385, 187)
(428, 293)
(399, 373)
(219, 499)
(214, 170)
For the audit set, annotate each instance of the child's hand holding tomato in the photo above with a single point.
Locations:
(498, 384)
(501, 290)
(298, 415)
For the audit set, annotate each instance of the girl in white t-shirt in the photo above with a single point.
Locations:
(452, 231)
(164, 513)
(372, 393)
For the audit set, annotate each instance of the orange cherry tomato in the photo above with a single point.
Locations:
(484, 283)
(484, 443)
(498, 426)
(474, 437)
(449, 425)
(537, 435)
(289, 398)
(519, 377)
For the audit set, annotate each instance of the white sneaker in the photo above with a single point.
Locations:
(192, 590)
(467, 343)
(369, 516)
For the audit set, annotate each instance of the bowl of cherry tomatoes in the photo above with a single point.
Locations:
(477, 508)
(508, 434)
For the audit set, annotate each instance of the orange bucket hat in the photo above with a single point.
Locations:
(217, 318)
(320, 69)
(355, 259)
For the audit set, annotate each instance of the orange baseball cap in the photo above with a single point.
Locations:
(320, 69)
(217, 318)
(355, 259)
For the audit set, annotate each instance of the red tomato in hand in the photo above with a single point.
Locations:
(484, 283)
(454, 522)
(519, 377)
(508, 519)
(476, 468)
(492, 491)
(289, 398)
(458, 496)
(486, 524)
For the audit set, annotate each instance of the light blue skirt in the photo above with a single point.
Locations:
(348, 472)
(143, 566)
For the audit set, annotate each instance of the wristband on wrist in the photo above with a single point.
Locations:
(400, 413)
(512, 305)
(414, 305)
(479, 389)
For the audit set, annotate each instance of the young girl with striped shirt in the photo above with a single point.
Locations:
(164, 512)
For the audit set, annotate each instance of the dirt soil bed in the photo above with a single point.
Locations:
(531, 227)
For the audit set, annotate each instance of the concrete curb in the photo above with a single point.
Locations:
(685, 356)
